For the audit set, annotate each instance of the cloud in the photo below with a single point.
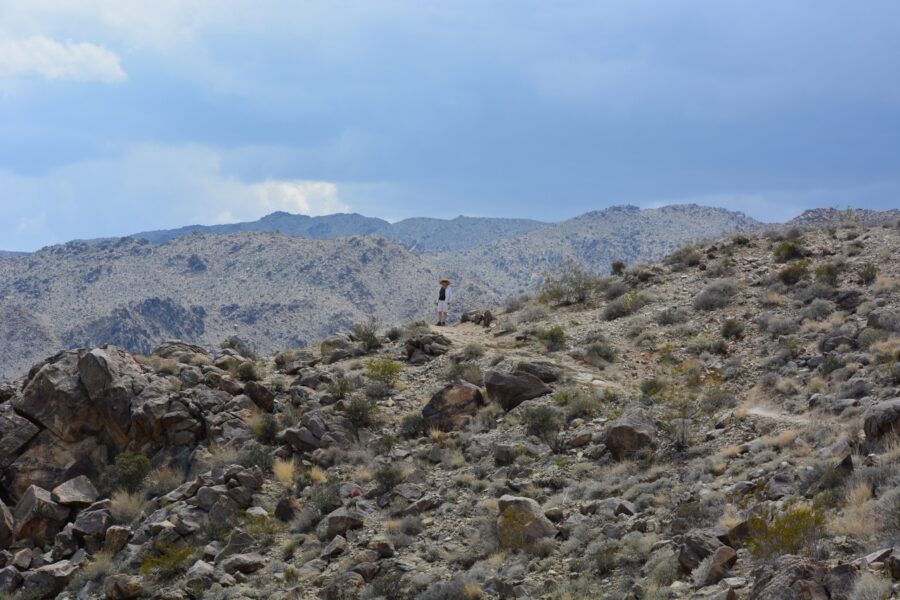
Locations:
(304, 197)
(78, 61)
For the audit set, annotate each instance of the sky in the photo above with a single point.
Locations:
(119, 116)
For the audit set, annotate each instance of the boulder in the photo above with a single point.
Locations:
(287, 508)
(798, 577)
(882, 419)
(15, 432)
(201, 573)
(722, 560)
(630, 433)
(243, 563)
(319, 430)
(48, 461)
(425, 346)
(335, 547)
(478, 317)
(7, 526)
(116, 538)
(261, 395)
(345, 585)
(49, 580)
(545, 371)
(10, 580)
(339, 522)
(522, 522)
(696, 546)
(38, 517)
(92, 523)
(76, 492)
(123, 587)
(452, 406)
(509, 391)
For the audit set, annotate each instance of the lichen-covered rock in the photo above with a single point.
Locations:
(521, 522)
(452, 406)
(798, 577)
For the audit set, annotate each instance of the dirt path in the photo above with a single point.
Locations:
(777, 415)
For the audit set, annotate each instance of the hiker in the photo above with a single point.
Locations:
(443, 303)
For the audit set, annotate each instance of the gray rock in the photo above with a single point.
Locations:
(521, 522)
(78, 492)
(882, 419)
(339, 522)
(10, 580)
(49, 580)
(509, 391)
(38, 517)
(629, 434)
(243, 563)
(123, 587)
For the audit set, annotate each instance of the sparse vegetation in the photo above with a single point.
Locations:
(384, 370)
(553, 338)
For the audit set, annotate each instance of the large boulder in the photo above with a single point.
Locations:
(49, 580)
(452, 406)
(545, 371)
(339, 522)
(423, 347)
(15, 432)
(630, 433)
(78, 491)
(511, 390)
(319, 430)
(7, 526)
(798, 577)
(261, 395)
(696, 546)
(522, 522)
(882, 419)
(48, 461)
(38, 517)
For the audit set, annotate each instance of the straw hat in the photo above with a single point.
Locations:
(447, 281)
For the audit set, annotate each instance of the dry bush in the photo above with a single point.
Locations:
(126, 506)
(284, 471)
(858, 518)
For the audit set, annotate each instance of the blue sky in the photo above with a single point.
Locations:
(119, 116)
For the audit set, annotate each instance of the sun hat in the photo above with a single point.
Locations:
(447, 281)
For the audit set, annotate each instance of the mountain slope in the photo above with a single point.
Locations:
(595, 239)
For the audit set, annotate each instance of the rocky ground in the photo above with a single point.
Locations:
(718, 425)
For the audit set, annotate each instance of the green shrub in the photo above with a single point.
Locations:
(265, 429)
(617, 267)
(793, 273)
(263, 529)
(672, 316)
(732, 329)
(828, 273)
(653, 386)
(553, 339)
(570, 285)
(867, 273)
(256, 455)
(339, 387)
(599, 354)
(716, 294)
(384, 370)
(360, 411)
(472, 351)
(249, 371)
(367, 333)
(684, 257)
(788, 250)
(412, 425)
(168, 562)
(325, 497)
(461, 371)
(394, 333)
(579, 404)
(542, 421)
(793, 529)
(388, 476)
(127, 472)
(624, 306)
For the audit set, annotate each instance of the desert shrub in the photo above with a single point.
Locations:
(832, 362)
(127, 472)
(162, 481)
(360, 411)
(624, 306)
(716, 399)
(542, 421)
(617, 267)
(516, 303)
(326, 496)
(249, 371)
(472, 351)
(732, 329)
(553, 339)
(239, 346)
(462, 371)
(794, 272)
(793, 529)
(414, 328)
(788, 250)
(599, 353)
(818, 309)
(781, 326)
(384, 370)
(869, 336)
(256, 455)
(869, 586)
(367, 333)
(684, 257)
(653, 386)
(412, 425)
(125, 506)
(814, 291)
(716, 294)
(388, 476)
(828, 273)
(571, 285)
(378, 389)
(263, 529)
(265, 428)
(612, 289)
(672, 316)
(393, 333)
(167, 562)
(867, 273)
(339, 387)
(578, 403)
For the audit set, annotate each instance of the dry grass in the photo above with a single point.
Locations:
(393, 525)
(222, 455)
(741, 412)
(125, 506)
(162, 481)
(363, 476)
(317, 475)
(284, 471)
(199, 360)
(730, 451)
(497, 559)
(858, 518)
(781, 440)
(771, 299)
(472, 591)
(730, 517)
(884, 285)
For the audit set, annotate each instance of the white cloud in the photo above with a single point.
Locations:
(79, 61)
(304, 197)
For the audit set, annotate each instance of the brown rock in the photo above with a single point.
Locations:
(49, 580)
(7, 526)
(15, 432)
(78, 491)
(722, 559)
(287, 508)
(629, 434)
(882, 419)
(509, 391)
(116, 538)
(697, 545)
(452, 406)
(261, 395)
(521, 522)
(243, 563)
(340, 522)
(796, 577)
(38, 517)
(123, 587)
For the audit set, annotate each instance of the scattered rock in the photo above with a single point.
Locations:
(629, 434)
(522, 522)
(123, 587)
(882, 419)
(452, 406)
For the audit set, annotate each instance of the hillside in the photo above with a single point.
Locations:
(595, 239)
(419, 235)
(718, 425)
(272, 290)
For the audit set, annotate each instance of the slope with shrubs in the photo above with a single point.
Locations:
(704, 429)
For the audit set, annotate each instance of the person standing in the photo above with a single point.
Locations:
(443, 303)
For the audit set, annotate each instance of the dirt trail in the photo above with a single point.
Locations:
(777, 415)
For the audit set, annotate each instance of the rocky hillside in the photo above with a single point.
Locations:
(722, 424)
(832, 217)
(419, 235)
(595, 239)
(274, 291)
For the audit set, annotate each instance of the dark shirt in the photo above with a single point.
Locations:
(443, 294)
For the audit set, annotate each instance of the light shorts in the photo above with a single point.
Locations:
(443, 306)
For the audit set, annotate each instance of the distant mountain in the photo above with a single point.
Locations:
(5, 254)
(272, 290)
(595, 239)
(832, 217)
(420, 235)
